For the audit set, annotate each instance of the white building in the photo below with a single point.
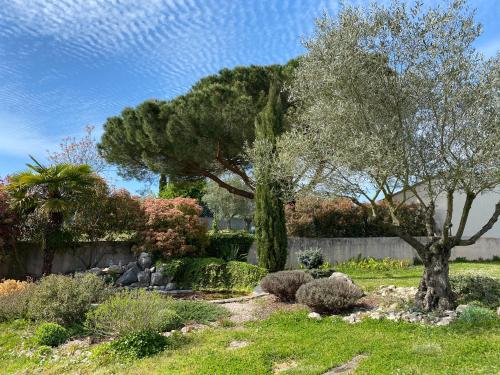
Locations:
(481, 211)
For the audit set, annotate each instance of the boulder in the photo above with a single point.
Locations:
(170, 286)
(145, 261)
(144, 277)
(314, 315)
(130, 265)
(96, 271)
(114, 269)
(157, 279)
(129, 277)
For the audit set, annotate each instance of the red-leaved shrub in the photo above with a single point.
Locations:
(314, 217)
(173, 227)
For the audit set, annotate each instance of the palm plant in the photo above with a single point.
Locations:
(50, 190)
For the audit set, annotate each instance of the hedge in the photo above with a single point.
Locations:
(230, 245)
(217, 274)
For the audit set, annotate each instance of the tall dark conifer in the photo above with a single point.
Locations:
(269, 210)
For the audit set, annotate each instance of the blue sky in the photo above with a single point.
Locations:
(65, 64)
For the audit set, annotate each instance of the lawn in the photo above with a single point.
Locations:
(370, 280)
(294, 343)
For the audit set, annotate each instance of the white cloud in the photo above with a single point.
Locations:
(19, 138)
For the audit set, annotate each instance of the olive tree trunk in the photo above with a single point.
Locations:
(434, 291)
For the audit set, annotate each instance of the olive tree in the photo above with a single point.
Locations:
(397, 98)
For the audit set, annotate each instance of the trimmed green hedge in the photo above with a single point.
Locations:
(230, 245)
(216, 274)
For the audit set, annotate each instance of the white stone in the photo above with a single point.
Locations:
(314, 315)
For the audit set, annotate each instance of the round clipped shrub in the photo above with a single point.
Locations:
(51, 334)
(310, 258)
(284, 284)
(139, 344)
(329, 295)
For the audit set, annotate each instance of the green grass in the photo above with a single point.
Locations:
(370, 280)
(469, 346)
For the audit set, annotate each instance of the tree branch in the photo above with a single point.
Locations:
(449, 215)
(484, 229)
(225, 185)
(465, 215)
(233, 168)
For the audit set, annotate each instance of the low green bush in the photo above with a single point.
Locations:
(135, 311)
(230, 245)
(386, 264)
(310, 258)
(482, 290)
(65, 299)
(216, 274)
(284, 284)
(475, 315)
(51, 334)
(329, 295)
(139, 344)
(198, 311)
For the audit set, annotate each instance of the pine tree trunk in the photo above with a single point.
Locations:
(434, 292)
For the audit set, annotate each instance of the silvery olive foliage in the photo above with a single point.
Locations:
(388, 97)
(391, 98)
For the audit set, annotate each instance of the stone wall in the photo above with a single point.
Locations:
(82, 257)
(337, 250)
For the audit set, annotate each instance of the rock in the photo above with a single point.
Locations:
(129, 277)
(461, 308)
(170, 286)
(157, 279)
(114, 269)
(237, 344)
(96, 271)
(498, 310)
(186, 329)
(144, 277)
(340, 275)
(130, 265)
(152, 269)
(145, 261)
(444, 321)
(314, 315)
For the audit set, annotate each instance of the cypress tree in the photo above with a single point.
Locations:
(270, 229)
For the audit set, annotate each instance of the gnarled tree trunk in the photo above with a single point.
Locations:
(434, 291)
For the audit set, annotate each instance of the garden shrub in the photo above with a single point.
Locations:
(215, 274)
(197, 311)
(140, 344)
(475, 315)
(310, 258)
(386, 264)
(315, 217)
(12, 286)
(173, 227)
(482, 290)
(132, 311)
(65, 299)
(51, 334)
(106, 214)
(284, 284)
(230, 245)
(14, 305)
(329, 295)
